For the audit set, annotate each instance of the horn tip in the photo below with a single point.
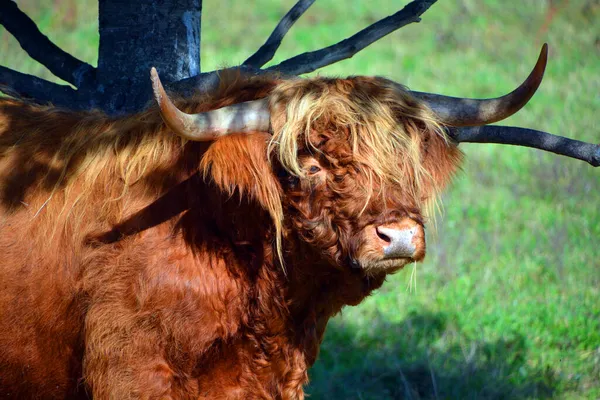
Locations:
(544, 51)
(156, 85)
(540, 65)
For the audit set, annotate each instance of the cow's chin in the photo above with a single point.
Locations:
(389, 265)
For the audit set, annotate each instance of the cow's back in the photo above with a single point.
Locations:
(58, 183)
(40, 307)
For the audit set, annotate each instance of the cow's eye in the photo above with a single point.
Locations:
(313, 169)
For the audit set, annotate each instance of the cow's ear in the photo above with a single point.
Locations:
(239, 165)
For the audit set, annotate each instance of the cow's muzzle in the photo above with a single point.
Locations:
(403, 239)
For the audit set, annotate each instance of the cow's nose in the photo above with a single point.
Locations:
(404, 239)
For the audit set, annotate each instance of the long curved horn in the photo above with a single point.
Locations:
(250, 116)
(457, 112)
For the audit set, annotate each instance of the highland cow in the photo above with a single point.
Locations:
(198, 249)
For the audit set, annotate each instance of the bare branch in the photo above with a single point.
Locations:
(207, 82)
(41, 49)
(572, 148)
(267, 50)
(308, 62)
(38, 90)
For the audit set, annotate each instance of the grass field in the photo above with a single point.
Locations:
(507, 303)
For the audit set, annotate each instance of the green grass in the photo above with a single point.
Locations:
(507, 304)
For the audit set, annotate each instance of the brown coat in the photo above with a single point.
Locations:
(135, 265)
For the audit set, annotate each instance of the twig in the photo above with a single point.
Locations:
(588, 152)
(267, 50)
(39, 90)
(41, 49)
(308, 62)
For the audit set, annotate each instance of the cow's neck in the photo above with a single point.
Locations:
(314, 292)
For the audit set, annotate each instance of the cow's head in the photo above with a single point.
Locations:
(349, 169)
(358, 160)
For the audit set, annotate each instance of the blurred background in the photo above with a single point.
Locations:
(507, 302)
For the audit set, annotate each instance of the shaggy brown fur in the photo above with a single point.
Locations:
(135, 265)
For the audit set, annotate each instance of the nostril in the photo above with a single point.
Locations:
(383, 236)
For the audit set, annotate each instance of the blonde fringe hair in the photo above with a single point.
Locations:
(384, 129)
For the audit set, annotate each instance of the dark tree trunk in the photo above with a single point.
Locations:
(134, 36)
